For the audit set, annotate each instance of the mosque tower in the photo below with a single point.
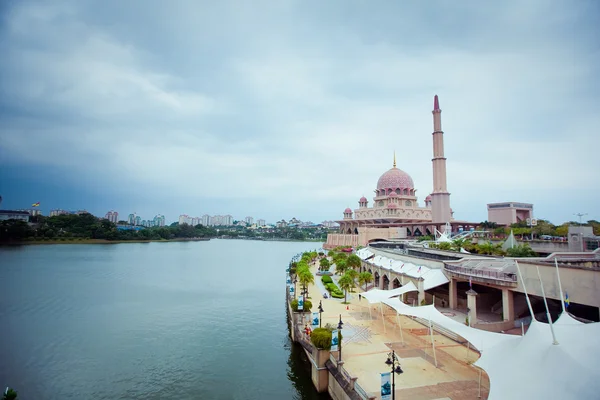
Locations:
(440, 198)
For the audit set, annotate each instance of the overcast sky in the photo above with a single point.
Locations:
(282, 108)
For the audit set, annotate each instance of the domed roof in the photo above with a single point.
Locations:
(392, 205)
(428, 198)
(393, 194)
(348, 210)
(362, 200)
(395, 178)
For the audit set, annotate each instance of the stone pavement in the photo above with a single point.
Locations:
(367, 342)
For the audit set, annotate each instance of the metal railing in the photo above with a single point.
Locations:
(361, 392)
(501, 276)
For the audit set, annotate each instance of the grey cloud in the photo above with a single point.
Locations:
(301, 102)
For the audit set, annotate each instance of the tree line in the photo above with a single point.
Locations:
(86, 226)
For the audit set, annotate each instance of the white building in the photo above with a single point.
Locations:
(185, 219)
(112, 216)
(249, 220)
(205, 220)
(260, 222)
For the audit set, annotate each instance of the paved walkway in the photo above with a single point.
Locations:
(366, 343)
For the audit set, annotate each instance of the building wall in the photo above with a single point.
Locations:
(509, 214)
(582, 285)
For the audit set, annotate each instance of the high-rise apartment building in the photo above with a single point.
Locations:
(227, 220)
(196, 221)
(260, 222)
(112, 216)
(185, 219)
(131, 219)
(54, 213)
(205, 220)
(159, 220)
(249, 220)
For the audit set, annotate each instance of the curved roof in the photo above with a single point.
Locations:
(395, 178)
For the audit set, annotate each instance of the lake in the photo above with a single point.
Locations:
(176, 320)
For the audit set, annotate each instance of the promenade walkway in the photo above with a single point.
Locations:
(367, 342)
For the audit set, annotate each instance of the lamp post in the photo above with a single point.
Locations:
(320, 312)
(295, 281)
(393, 362)
(340, 326)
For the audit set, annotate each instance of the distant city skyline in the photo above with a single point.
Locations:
(300, 115)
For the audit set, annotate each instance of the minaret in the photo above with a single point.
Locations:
(440, 198)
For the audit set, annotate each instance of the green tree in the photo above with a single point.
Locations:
(346, 283)
(521, 251)
(324, 264)
(365, 278)
(305, 277)
(445, 246)
(352, 273)
(458, 244)
(353, 261)
(340, 266)
(10, 394)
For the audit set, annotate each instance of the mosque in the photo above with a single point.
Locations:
(396, 213)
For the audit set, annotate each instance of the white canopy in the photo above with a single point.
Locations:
(478, 338)
(534, 368)
(432, 277)
(363, 254)
(377, 295)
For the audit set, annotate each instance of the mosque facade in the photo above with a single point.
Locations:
(395, 212)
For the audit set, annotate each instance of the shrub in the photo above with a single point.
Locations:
(307, 305)
(326, 279)
(321, 338)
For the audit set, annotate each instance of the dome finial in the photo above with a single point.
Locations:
(394, 158)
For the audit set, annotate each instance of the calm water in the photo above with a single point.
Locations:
(182, 320)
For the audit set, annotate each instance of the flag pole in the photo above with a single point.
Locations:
(525, 290)
(432, 342)
(547, 309)
(562, 298)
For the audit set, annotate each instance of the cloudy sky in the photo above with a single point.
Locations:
(293, 108)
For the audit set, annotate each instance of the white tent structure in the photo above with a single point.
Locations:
(482, 340)
(377, 295)
(535, 368)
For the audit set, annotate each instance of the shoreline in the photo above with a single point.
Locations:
(99, 241)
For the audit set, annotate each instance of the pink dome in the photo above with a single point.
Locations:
(393, 194)
(392, 205)
(395, 178)
(362, 200)
(428, 198)
(347, 210)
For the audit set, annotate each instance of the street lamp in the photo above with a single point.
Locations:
(393, 362)
(320, 312)
(340, 325)
(295, 281)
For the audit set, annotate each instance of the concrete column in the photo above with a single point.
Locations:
(508, 306)
(453, 294)
(472, 305)
(320, 373)
(421, 289)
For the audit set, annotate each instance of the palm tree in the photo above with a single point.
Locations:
(352, 273)
(306, 277)
(346, 283)
(364, 278)
(353, 261)
(340, 267)
(485, 248)
(459, 243)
